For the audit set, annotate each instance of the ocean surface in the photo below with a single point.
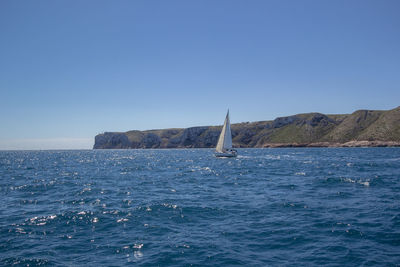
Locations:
(267, 207)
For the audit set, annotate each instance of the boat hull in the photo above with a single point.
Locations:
(225, 155)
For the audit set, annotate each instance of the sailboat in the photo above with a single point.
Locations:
(224, 145)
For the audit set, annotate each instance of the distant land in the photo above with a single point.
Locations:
(361, 128)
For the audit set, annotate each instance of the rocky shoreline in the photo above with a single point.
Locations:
(328, 144)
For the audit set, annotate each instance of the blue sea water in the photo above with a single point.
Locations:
(267, 207)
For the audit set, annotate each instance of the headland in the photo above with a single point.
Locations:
(362, 128)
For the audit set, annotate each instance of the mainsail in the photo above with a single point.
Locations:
(225, 138)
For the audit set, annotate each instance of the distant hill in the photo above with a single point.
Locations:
(361, 128)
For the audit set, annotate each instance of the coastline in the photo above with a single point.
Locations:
(349, 144)
(362, 128)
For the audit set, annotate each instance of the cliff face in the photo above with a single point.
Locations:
(361, 128)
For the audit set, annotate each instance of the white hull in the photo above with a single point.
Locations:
(225, 155)
(231, 154)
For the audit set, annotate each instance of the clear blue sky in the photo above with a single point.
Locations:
(72, 69)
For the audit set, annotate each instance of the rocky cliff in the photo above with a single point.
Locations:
(361, 128)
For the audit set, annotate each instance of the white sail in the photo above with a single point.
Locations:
(225, 138)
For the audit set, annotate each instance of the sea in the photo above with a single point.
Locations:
(185, 207)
